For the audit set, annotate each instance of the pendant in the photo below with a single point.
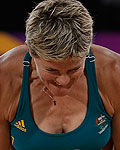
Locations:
(54, 102)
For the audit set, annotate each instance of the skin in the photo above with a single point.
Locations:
(71, 106)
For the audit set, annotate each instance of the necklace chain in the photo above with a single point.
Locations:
(54, 101)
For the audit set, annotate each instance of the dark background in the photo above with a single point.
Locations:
(105, 13)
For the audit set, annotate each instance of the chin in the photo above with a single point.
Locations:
(58, 91)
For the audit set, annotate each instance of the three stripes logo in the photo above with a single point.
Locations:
(20, 125)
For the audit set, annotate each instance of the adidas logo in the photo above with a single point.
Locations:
(20, 125)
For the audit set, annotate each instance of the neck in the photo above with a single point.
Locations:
(82, 85)
(33, 72)
(46, 91)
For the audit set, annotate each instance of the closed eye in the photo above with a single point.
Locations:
(53, 71)
(74, 69)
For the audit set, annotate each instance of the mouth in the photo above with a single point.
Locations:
(56, 84)
(60, 86)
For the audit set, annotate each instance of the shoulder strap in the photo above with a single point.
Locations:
(95, 98)
(24, 96)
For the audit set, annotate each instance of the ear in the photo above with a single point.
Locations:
(28, 49)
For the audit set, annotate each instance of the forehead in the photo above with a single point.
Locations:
(68, 62)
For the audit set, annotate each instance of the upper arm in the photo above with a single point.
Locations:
(4, 135)
(5, 142)
(109, 145)
(4, 123)
(116, 131)
(10, 85)
(109, 84)
(114, 96)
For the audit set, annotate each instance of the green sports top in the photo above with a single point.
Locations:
(93, 134)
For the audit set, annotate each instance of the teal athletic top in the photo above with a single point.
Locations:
(93, 134)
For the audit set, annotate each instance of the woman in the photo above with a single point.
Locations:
(59, 91)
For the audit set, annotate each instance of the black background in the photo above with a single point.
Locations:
(14, 13)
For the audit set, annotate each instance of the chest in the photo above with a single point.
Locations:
(65, 116)
(80, 116)
(98, 131)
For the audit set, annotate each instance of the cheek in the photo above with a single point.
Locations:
(43, 75)
(77, 74)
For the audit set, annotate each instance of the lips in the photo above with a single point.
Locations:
(57, 83)
(60, 86)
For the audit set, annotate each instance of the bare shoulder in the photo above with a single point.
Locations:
(11, 69)
(108, 74)
(105, 55)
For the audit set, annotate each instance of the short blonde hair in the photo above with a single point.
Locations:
(57, 29)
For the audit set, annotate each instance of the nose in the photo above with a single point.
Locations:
(63, 80)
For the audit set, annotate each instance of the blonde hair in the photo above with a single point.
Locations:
(56, 29)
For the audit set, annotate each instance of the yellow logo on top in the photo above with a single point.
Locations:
(20, 125)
